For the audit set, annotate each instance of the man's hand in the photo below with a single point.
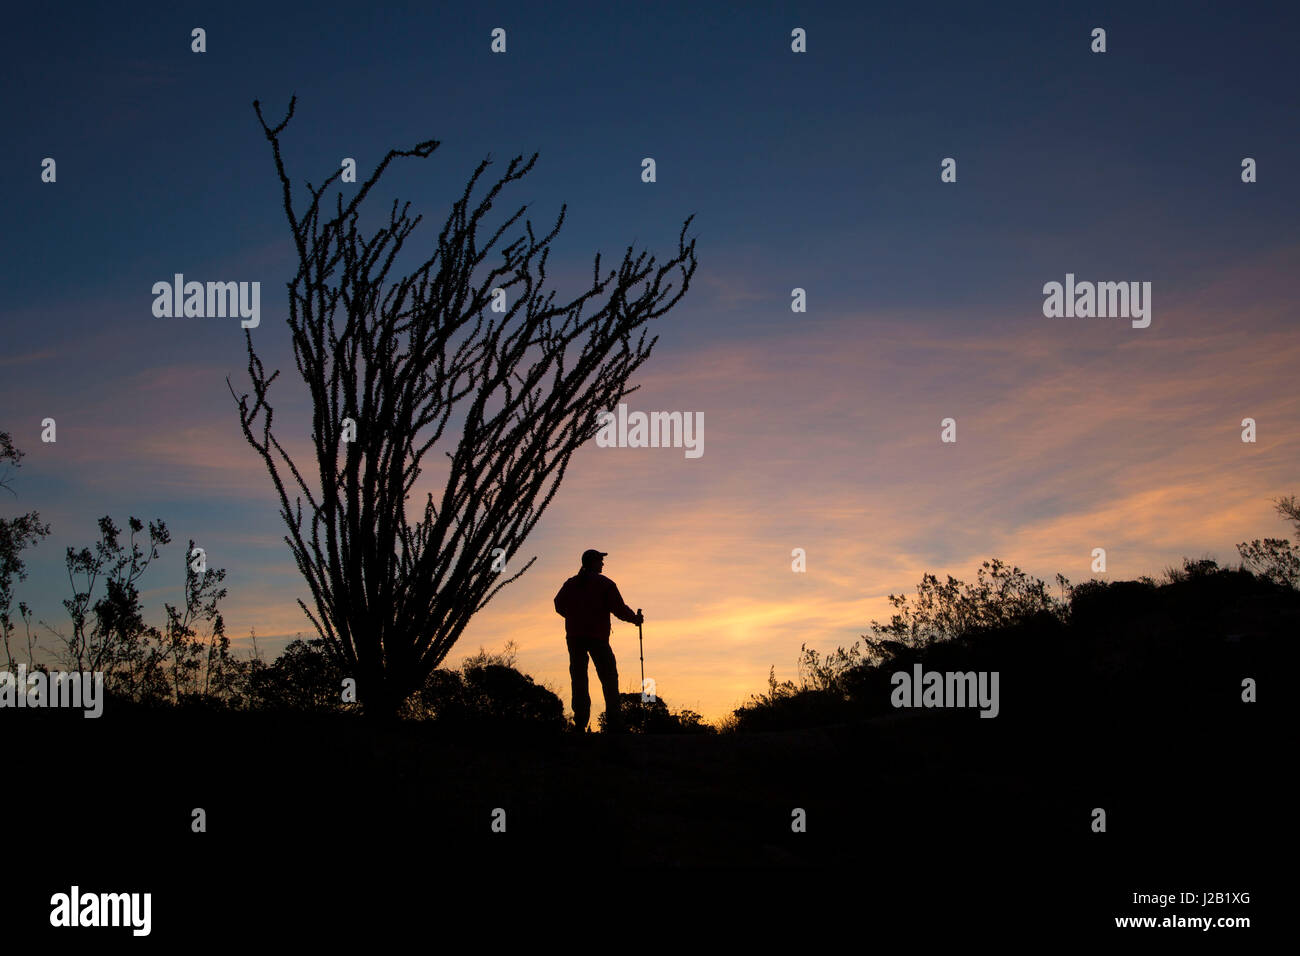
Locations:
(640, 619)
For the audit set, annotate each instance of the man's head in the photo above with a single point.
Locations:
(593, 560)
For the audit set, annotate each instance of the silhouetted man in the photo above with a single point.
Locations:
(586, 601)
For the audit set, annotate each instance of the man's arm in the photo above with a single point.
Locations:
(562, 600)
(619, 608)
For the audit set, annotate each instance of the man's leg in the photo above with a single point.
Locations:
(578, 676)
(607, 670)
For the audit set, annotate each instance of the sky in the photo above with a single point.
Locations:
(817, 170)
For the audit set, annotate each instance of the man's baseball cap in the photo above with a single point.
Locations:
(591, 555)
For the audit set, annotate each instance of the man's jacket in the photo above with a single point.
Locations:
(586, 601)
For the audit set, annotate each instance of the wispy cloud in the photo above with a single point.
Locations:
(30, 357)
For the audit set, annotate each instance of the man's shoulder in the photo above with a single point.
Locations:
(591, 578)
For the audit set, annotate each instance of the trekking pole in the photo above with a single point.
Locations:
(641, 644)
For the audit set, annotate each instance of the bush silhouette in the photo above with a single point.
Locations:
(1139, 646)
(490, 696)
(654, 717)
(303, 678)
(487, 692)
